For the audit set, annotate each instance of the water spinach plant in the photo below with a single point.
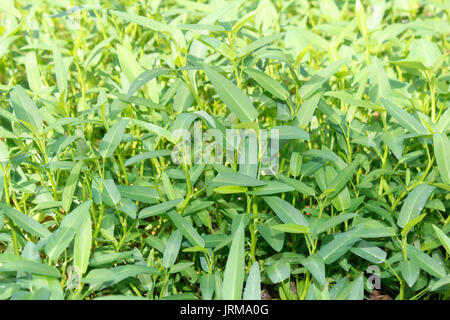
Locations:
(272, 149)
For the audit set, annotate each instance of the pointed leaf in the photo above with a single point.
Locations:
(285, 211)
(414, 203)
(186, 228)
(24, 107)
(159, 208)
(112, 139)
(315, 264)
(441, 146)
(12, 263)
(425, 262)
(69, 188)
(268, 83)
(232, 96)
(25, 222)
(405, 119)
(172, 248)
(252, 289)
(445, 240)
(233, 278)
(63, 236)
(337, 247)
(83, 244)
(410, 272)
(145, 77)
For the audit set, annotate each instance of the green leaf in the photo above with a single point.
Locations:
(110, 194)
(207, 286)
(349, 99)
(297, 185)
(381, 89)
(24, 108)
(129, 207)
(268, 83)
(443, 238)
(307, 109)
(394, 140)
(255, 45)
(291, 228)
(278, 271)
(443, 123)
(71, 185)
(425, 51)
(291, 132)
(271, 187)
(139, 101)
(197, 249)
(230, 189)
(368, 251)
(155, 129)
(132, 270)
(159, 208)
(63, 236)
(142, 21)
(326, 155)
(252, 289)
(414, 203)
(405, 119)
(128, 63)
(410, 272)
(443, 282)
(4, 153)
(315, 264)
(168, 188)
(12, 263)
(324, 225)
(25, 222)
(357, 292)
(99, 258)
(232, 96)
(186, 228)
(112, 139)
(373, 229)
(183, 98)
(172, 248)
(137, 193)
(319, 78)
(145, 77)
(147, 155)
(295, 164)
(236, 179)
(156, 243)
(2, 185)
(341, 179)
(33, 74)
(441, 146)
(233, 278)
(337, 247)
(98, 277)
(285, 211)
(60, 70)
(243, 20)
(411, 224)
(179, 267)
(425, 262)
(273, 237)
(83, 244)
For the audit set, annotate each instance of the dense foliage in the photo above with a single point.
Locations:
(93, 205)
